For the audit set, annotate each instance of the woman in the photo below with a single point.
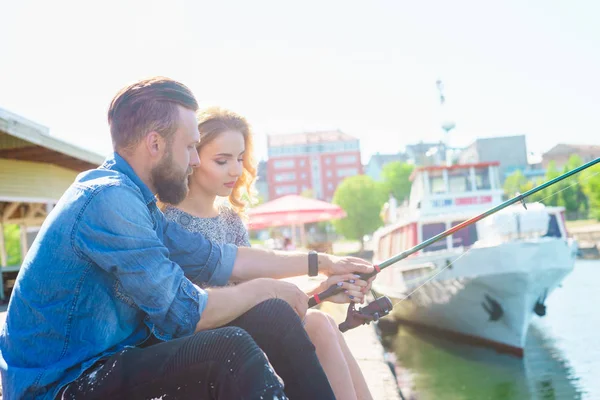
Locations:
(228, 169)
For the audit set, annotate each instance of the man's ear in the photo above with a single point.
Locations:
(155, 144)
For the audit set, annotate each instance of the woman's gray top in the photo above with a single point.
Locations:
(227, 227)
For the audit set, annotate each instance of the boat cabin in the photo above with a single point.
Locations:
(442, 197)
(455, 188)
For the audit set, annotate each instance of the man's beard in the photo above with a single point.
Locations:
(171, 184)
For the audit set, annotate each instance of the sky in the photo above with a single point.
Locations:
(368, 68)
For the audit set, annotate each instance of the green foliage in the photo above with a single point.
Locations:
(12, 237)
(569, 193)
(549, 196)
(514, 183)
(572, 195)
(362, 198)
(591, 188)
(396, 179)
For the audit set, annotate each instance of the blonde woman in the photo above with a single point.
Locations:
(227, 170)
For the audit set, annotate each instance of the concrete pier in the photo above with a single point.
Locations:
(368, 351)
(365, 347)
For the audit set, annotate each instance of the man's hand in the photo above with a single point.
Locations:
(286, 291)
(354, 289)
(334, 265)
(227, 303)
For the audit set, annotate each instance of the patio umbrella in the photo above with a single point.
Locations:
(292, 210)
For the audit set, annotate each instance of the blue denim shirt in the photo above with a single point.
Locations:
(105, 272)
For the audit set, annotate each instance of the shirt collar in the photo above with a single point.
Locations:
(117, 163)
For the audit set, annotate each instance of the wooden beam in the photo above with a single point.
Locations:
(36, 221)
(11, 208)
(24, 245)
(33, 209)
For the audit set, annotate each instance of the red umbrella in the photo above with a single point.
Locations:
(292, 210)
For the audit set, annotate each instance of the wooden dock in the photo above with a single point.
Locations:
(588, 240)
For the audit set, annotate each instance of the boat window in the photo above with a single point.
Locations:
(553, 228)
(464, 237)
(429, 231)
(482, 178)
(436, 178)
(459, 180)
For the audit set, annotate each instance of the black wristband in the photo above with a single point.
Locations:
(313, 263)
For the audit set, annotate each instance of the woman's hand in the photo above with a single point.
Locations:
(353, 288)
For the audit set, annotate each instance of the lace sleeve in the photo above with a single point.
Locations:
(239, 231)
(243, 240)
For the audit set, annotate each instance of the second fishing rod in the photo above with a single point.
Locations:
(317, 298)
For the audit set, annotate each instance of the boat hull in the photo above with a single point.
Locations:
(486, 297)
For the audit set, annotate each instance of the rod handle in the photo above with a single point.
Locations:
(333, 290)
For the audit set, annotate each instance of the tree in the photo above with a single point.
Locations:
(592, 189)
(396, 179)
(590, 179)
(549, 195)
(568, 193)
(571, 194)
(12, 236)
(361, 198)
(514, 183)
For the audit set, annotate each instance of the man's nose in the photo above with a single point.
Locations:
(194, 160)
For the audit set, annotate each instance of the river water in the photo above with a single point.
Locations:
(562, 354)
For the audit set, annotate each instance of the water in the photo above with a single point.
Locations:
(562, 354)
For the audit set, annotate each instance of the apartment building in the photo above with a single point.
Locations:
(315, 161)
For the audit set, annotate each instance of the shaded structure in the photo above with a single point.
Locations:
(35, 170)
(293, 210)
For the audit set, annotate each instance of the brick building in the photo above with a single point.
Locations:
(316, 161)
(262, 184)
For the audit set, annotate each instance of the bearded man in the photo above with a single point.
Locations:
(113, 301)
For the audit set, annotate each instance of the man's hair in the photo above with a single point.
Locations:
(146, 106)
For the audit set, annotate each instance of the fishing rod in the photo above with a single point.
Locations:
(382, 306)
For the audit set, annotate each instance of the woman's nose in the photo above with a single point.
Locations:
(236, 170)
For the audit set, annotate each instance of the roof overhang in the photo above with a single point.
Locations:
(21, 139)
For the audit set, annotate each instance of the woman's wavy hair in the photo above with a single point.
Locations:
(211, 123)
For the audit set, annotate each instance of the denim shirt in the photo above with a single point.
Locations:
(105, 272)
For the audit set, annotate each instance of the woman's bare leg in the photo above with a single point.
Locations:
(360, 384)
(323, 334)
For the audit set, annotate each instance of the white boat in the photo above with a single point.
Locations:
(485, 282)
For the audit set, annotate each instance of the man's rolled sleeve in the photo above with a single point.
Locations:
(224, 265)
(202, 299)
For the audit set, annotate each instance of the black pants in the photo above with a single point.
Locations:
(225, 363)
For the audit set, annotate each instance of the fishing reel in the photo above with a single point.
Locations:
(371, 312)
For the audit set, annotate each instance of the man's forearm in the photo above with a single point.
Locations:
(252, 263)
(226, 304)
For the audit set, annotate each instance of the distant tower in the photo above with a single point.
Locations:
(447, 123)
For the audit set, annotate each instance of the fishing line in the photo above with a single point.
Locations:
(579, 180)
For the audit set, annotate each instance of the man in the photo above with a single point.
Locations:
(108, 302)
